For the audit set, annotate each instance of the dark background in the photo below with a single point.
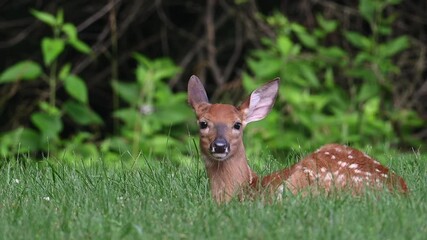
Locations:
(180, 30)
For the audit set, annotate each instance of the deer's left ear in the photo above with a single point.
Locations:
(196, 92)
(260, 102)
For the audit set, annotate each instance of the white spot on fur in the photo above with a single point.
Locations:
(354, 165)
(279, 192)
(341, 178)
(333, 157)
(342, 164)
(323, 169)
(327, 153)
(356, 179)
(384, 175)
(357, 171)
(377, 170)
(368, 174)
(336, 172)
(376, 162)
(350, 156)
(328, 176)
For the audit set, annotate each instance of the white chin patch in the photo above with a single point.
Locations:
(219, 156)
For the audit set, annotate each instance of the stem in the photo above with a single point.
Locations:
(53, 73)
(52, 83)
(114, 62)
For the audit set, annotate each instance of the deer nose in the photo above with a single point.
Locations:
(220, 145)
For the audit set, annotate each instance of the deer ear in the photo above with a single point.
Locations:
(196, 92)
(260, 102)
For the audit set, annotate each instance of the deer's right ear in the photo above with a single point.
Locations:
(196, 92)
(260, 102)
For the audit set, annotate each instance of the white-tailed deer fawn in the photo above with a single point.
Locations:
(331, 167)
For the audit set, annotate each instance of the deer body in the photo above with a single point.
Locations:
(331, 167)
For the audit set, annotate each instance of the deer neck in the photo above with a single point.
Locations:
(230, 177)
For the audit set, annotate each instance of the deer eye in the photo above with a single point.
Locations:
(237, 125)
(203, 124)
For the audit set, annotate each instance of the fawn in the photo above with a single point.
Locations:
(331, 167)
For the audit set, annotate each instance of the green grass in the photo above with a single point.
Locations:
(162, 201)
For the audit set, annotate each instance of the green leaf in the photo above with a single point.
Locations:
(334, 54)
(362, 58)
(127, 91)
(358, 40)
(142, 75)
(248, 82)
(25, 70)
(372, 107)
(394, 46)
(368, 91)
(20, 140)
(172, 114)
(142, 60)
(284, 44)
(164, 68)
(118, 144)
(52, 48)
(80, 46)
(367, 9)
(45, 17)
(81, 113)
(327, 25)
(76, 87)
(49, 125)
(48, 108)
(65, 71)
(70, 30)
(129, 116)
(329, 78)
(365, 74)
(307, 40)
(309, 75)
(29, 140)
(60, 17)
(265, 67)
(385, 30)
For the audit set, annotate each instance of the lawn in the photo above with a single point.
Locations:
(49, 200)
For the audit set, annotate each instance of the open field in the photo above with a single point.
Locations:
(162, 201)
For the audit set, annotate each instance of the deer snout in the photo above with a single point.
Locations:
(220, 148)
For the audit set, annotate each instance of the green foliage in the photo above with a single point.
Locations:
(313, 108)
(153, 118)
(24, 70)
(48, 121)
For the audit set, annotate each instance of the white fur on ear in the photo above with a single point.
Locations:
(261, 101)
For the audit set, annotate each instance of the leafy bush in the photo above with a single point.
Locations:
(153, 118)
(313, 108)
(48, 121)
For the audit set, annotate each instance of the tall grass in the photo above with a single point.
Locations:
(49, 200)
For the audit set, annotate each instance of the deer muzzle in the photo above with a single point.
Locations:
(220, 148)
